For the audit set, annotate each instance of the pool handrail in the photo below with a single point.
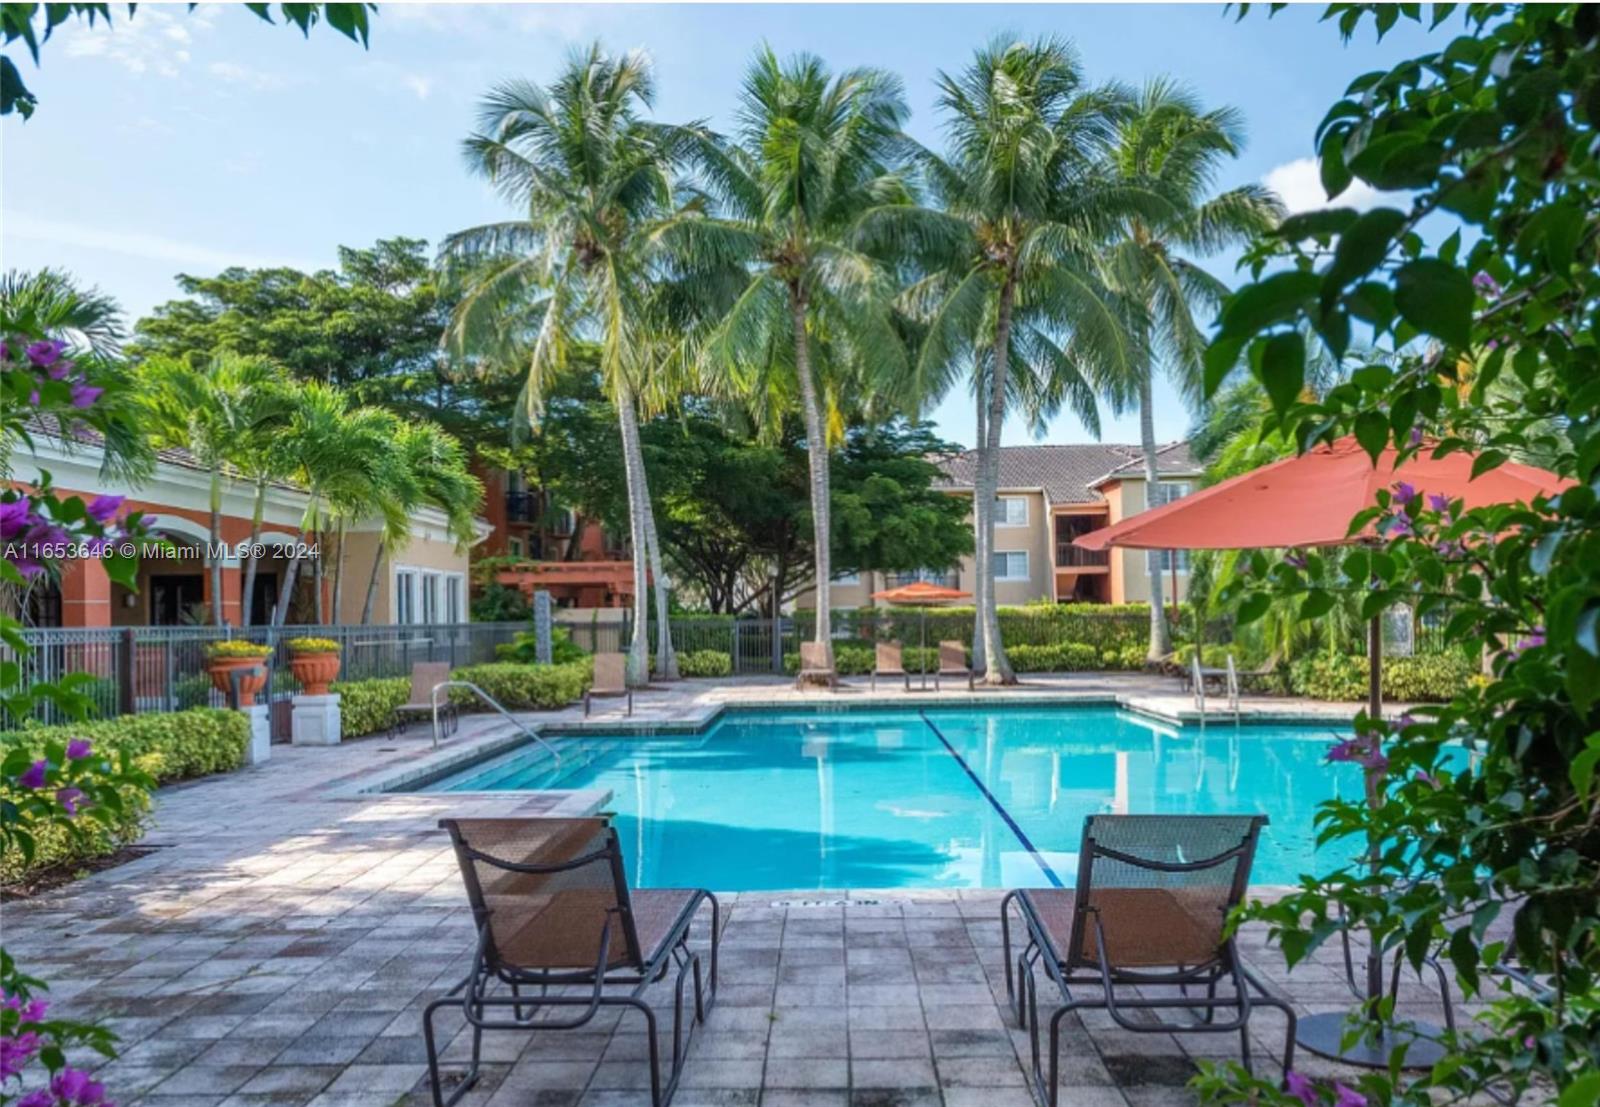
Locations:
(492, 702)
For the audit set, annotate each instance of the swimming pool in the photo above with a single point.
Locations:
(925, 798)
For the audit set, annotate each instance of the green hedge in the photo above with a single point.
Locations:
(1423, 678)
(367, 706)
(705, 663)
(853, 658)
(169, 747)
(524, 687)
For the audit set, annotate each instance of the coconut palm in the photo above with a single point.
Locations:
(589, 174)
(84, 318)
(812, 325)
(1171, 150)
(1011, 297)
(430, 470)
(209, 410)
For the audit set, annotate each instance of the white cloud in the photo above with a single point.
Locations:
(149, 41)
(257, 79)
(419, 85)
(1299, 183)
(138, 244)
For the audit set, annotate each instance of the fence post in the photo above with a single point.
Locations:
(777, 644)
(734, 648)
(125, 672)
(542, 647)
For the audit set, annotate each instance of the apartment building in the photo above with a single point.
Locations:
(1047, 496)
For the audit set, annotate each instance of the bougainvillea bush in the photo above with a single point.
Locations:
(1478, 292)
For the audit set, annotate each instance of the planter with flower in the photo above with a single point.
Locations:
(315, 663)
(248, 659)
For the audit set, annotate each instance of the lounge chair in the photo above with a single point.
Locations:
(953, 663)
(554, 913)
(424, 676)
(1149, 909)
(814, 663)
(889, 662)
(610, 679)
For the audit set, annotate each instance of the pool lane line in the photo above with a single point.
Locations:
(1050, 874)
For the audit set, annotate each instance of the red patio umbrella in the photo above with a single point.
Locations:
(1309, 500)
(922, 594)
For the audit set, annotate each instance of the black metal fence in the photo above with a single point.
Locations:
(134, 669)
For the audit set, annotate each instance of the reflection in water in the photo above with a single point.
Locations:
(874, 800)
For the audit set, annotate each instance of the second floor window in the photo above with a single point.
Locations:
(1011, 565)
(1164, 492)
(1161, 560)
(1011, 511)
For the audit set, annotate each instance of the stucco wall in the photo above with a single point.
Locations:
(1130, 574)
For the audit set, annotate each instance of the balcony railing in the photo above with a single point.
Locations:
(1069, 556)
(522, 507)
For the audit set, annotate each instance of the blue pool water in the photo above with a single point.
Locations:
(935, 798)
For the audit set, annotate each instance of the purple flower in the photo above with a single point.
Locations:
(1528, 643)
(1416, 436)
(78, 749)
(69, 798)
(84, 395)
(60, 370)
(1423, 776)
(15, 1053)
(102, 509)
(76, 1087)
(1487, 285)
(1347, 1097)
(44, 353)
(33, 777)
(33, 398)
(1438, 501)
(1362, 750)
(1404, 493)
(1295, 560)
(1401, 723)
(40, 1097)
(15, 516)
(1399, 526)
(1301, 1088)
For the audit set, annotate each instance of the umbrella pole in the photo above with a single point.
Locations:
(922, 651)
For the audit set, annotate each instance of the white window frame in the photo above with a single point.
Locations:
(1001, 519)
(430, 598)
(1027, 569)
(405, 596)
(421, 598)
(1156, 561)
(1170, 491)
(453, 610)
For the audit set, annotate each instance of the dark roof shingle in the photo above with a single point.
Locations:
(1068, 474)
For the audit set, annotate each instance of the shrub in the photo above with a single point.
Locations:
(498, 603)
(368, 706)
(192, 691)
(163, 747)
(1424, 678)
(705, 663)
(524, 687)
(312, 645)
(525, 648)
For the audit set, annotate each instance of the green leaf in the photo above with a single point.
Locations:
(1436, 298)
(1361, 249)
(1220, 358)
(1582, 1092)
(1372, 432)
(1257, 306)
(1283, 364)
(1316, 224)
(1254, 606)
(1487, 460)
(1318, 603)
(1335, 174)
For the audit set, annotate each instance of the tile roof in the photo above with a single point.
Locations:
(1069, 474)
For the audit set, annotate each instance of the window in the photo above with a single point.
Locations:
(1164, 492)
(430, 597)
(847, 578)
(1011, 511)
(405, 596)
(1011, 565)
(515, 546)
(1161, 560)
(924, 576)
(452, 599)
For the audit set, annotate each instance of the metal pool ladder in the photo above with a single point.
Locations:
(492, 702)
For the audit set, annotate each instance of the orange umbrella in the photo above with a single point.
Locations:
(1309, 500)
(922, 594)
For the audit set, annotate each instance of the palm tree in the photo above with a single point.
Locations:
(210, 410)
(334, 453)
(812, 323)
(259, 456)
(589, 174)
(1011, 295)
(369, 488)
(1170, 149)
(431, 470)
(85, 319)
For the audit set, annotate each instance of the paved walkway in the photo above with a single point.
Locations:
(277, 948)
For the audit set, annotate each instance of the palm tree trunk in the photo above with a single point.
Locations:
(997, 668)
(817, 460)
(1160, 639)
(372, 585)
(632, 463)
(282, 611)
(247, 591)
(319, 616)
(666, 656)
(980, 583)
(338, 574)
(216, 540)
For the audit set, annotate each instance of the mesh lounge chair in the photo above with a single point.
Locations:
(889, 662)
(953, 663)
(554, 914)
(424, 675)
(814, 663)
(1152, 897)
(610, 679)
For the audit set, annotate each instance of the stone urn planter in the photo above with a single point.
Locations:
(314, 663)
(249, 659)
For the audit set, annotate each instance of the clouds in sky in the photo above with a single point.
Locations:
(207, 259)
(1299, 182)
(149, 41)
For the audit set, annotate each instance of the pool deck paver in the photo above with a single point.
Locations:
(277, 947)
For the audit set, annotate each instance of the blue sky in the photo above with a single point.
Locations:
(185, 141)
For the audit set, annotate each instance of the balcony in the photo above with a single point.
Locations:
(522, 507)
(1069, 556)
